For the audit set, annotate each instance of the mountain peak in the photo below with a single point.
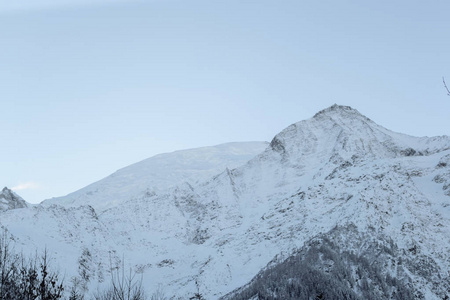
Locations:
(6, 191)
(335, 108)
(10, 200)
(341, 131)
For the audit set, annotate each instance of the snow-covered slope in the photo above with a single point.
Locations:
(160, 172)
(337, 168)
(10, 200)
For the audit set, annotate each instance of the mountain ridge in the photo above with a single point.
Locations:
(159, 172)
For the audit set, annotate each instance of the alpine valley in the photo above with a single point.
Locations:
(335, 207)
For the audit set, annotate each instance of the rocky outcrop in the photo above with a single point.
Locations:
(10, 200)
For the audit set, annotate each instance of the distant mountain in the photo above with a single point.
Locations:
(334, 194)
(10, 200)
(160, 172)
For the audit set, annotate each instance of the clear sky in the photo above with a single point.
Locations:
(88, 87)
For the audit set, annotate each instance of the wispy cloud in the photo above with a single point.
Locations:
(26, 186)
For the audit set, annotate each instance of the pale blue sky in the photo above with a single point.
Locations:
(88, 89)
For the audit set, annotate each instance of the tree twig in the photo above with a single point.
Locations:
(445, 85)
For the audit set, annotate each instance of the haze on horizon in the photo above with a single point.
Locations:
(90, 87)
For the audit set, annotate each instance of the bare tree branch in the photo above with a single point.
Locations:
(445, 85)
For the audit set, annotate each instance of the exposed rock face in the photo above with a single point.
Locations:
(10, 200)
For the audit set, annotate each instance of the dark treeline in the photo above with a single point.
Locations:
(325, 268)
(23, 278)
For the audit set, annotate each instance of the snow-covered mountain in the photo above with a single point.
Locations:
(161, 172)
(10, 200)
(337, 176)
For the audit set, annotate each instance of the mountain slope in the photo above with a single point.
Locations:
(324, 268)
(336, 169)
(160, 172)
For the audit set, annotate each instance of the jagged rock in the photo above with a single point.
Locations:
(10, 200)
